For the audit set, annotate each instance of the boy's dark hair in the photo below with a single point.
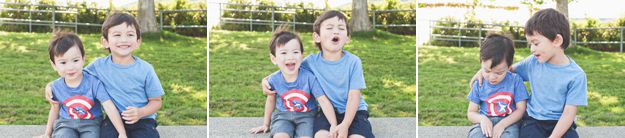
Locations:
(281, 36)
(327, 15)
(549, 23)
(118, 18)
(497, 48)
(63, 41)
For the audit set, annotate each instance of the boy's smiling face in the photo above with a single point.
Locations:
(69, 65)
(543, 48)
(288, 57)
(332, 34)
(122, 40)
(495, 74)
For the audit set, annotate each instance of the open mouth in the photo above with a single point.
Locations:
(335, 39)
(124, 46)
(290, 66)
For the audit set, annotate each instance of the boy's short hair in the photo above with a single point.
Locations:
(549, 23)
(118, 18)
(327, 15)
(281, 36)
(63, 41)
(497, 48)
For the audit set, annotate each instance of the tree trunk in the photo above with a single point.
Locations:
(146, 17)
(563, 7)
(360, 17)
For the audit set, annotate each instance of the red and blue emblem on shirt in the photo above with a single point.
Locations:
(296, 100)
(78, 107)
(499, 104)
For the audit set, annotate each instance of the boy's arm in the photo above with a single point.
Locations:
(52, 116)
(473, 115)
(353, 99)
(49, 95)
(328, 111)
(565, 122)
(133, 114)
(515, 116)
(113, 114)
(270, 105)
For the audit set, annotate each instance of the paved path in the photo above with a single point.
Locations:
(28, 131)
(221, 127)
(462, 131)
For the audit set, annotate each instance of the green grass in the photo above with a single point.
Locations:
(179, 61)
(239, 60)
(444, 74)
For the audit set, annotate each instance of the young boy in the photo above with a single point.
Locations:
(502, 101)
(296, 107)
(340, 75)
(557, 83)
(130, 81)
(82, 96)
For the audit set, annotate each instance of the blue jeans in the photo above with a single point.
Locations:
(144, 128)
(74, 128)
(511, 131)
(296, 124)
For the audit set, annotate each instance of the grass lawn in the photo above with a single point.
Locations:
(179, 61)
(444, 74)
(239, 60)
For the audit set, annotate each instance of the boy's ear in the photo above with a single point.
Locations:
(316, 37)
(558, 41)
(52, 64)
(105, 43)
(273, 59)
(138, 42)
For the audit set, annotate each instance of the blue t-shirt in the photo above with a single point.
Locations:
(552, 87)
(499, 99)
(129, 85)
(82, 102)
(296, 96)
(338, 77)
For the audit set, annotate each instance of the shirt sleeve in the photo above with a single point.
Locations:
(577, 91)
(100, 92)
(357, 79)
(153, 87)
(520, 91)
(521, 68)
(317, 91)
(474, 93)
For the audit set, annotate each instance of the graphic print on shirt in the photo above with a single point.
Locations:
(499, 104)
(79, 107)
(296, 100)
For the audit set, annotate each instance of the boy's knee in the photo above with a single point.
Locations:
(356, 136)
(322, 134)
(281, 135)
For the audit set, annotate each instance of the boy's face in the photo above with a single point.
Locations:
(70, 64)
(543, 48)
(496, 74)
(288, 57)
(332, 34)
(122, 40)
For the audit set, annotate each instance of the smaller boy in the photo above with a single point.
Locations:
(502, 101)
(294, 86)
(81, 95)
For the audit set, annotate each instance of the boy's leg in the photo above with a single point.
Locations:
(531, 128)
(89, 128)
(281, 124)
(361, 126)
(144, 128)
(63, 129)
(107, 130)
(304, 124)
(476, 132)
(322, 126)
(511, 131)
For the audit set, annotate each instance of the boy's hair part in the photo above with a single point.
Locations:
(62, 42)
(118, 18)
(497, 48)
(325, 16)
(549, 23)
(281, 36)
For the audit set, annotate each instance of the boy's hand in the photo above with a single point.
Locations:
(342, 131)
(263, 129)
(48, 94)
(333, 131)
(266, 87)
(479, 77)
(498, 130)
(486, 126)
(131, 115)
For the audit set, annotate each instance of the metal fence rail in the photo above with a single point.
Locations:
(289, 10)
(75, 23)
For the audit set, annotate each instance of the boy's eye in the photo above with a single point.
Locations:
(282, 53)
(62, 62)
(75, 60)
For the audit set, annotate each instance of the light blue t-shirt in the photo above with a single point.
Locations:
(499, 99)
(296, 96)
(338, 77)
(552, 87)
(129, 85)
(82, 102)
